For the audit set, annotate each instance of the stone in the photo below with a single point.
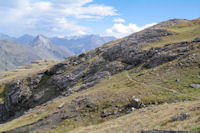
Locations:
(177, 80)
(196, 86)
(132, 109)
(198, 119)
(181, 117)
(136, 103)
(105, 114)
(115, 112)
(197, 39)
(61, 105)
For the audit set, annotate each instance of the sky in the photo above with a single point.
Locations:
(116, 18)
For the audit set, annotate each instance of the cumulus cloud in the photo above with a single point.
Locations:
(57, 16)
(119, 20)
(120, 30)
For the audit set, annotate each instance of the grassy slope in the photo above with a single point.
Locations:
(154, 85)
(154, 117)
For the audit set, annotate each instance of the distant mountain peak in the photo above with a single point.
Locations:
(40, 36)
(47, 50)
(42, 41)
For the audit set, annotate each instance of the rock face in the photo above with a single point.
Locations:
(3, 112)
(82, 71)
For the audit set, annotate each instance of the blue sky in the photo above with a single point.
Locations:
(78, 17)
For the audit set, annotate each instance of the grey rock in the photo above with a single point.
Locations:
(181, 117)
(105, 114)
(197, 39)
(61, 105)
(177, 80)
(196, 86)
(136, 103)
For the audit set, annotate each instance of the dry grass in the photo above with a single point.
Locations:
(154, 117)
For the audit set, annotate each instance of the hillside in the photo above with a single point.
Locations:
(147, 80)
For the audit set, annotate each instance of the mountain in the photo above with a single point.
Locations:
(47, 50)
(6, 37)
(25, 39)
(14, 54)
(147, 80)
(82, 43)
(22, 39)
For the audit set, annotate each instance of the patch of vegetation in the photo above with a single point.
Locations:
(71, 124)
(2, 90)
(196, 129)
(44, 79)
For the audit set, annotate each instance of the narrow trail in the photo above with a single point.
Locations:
(144, 84)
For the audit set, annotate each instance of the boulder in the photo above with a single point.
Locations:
(61, 105)
(196, 86)
(181, 117)
(197, 39)
(136, 103)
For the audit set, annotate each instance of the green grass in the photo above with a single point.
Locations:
(196, 129)
(44, 79)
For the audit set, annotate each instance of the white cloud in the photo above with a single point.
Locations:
(50, 16)
(119, 20)
(62, 25)
(120, 30)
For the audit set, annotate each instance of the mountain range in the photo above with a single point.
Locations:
(17, 51)
(14, 54)
(76, 44)
(82, 43)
